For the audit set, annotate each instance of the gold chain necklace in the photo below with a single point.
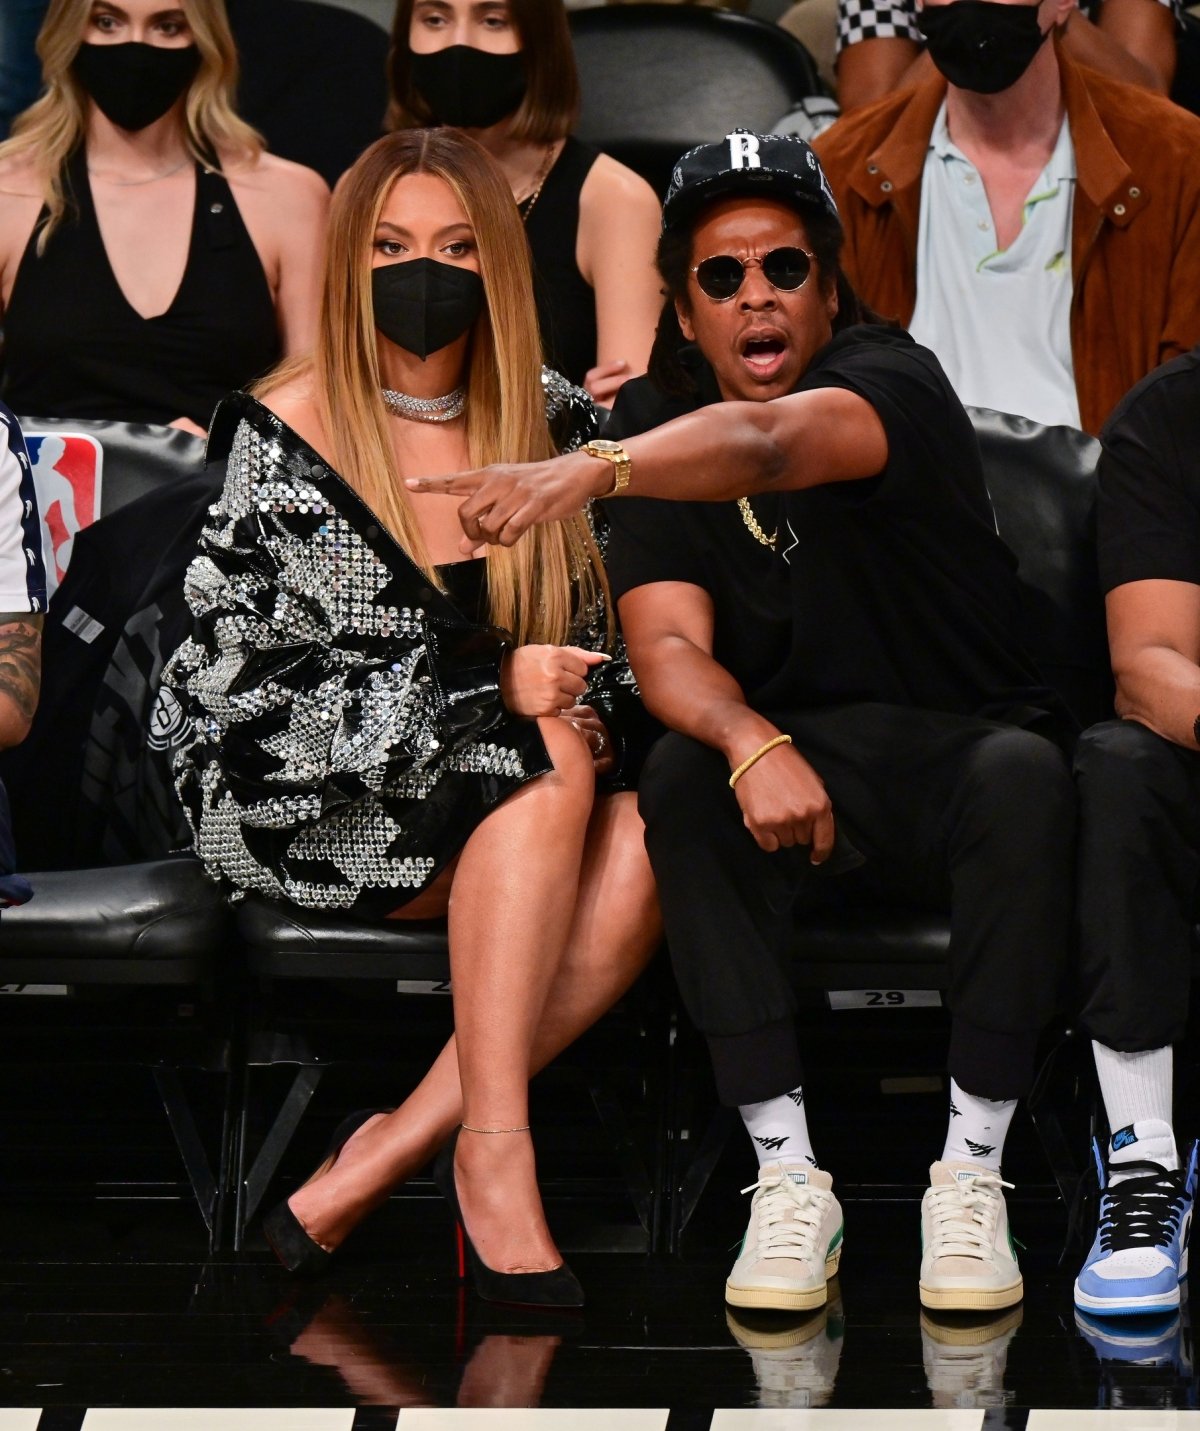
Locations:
(526, 204)
(752, 526)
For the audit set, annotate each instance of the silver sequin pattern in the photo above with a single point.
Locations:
(323, 725)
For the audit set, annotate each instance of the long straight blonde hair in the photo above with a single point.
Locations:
(554, 573)
(53, 127)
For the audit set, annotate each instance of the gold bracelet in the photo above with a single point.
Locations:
(758, 755)
(466, 1127)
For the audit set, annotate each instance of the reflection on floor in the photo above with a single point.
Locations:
(120, 1308)
(114, 1303)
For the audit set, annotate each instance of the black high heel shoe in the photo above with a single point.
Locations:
(284, 1232)
(557, 1288)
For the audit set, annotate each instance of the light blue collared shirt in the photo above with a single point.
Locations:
(999, 320)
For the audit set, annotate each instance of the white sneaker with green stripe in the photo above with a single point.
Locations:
(968, 1260)
(793, 1243)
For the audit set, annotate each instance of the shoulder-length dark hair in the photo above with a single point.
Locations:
(674, 259)
(551, 104)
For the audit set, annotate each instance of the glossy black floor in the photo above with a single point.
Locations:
(126, 1311)
(113, 1300)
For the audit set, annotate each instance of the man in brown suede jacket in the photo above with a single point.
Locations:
(1034, 222)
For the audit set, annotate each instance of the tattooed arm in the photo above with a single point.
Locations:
(20, 674)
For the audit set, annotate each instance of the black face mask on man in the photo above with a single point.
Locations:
(982, 45)
(469, 88)
(423, 305)
(134, 84)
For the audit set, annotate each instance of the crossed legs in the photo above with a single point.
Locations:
(552, 916)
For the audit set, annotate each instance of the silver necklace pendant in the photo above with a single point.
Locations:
(434, 409)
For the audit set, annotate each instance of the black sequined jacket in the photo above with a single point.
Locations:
(348, 728)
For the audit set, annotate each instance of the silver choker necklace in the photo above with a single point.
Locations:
(435, 409)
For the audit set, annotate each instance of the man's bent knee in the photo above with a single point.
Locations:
(1123, 756)
(1017, 768)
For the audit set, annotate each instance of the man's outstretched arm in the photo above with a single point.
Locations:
(728, 450)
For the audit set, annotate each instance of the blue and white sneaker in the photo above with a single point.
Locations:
(1154, 1340)
(1140, 1254)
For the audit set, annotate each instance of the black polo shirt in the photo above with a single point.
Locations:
(892, 589)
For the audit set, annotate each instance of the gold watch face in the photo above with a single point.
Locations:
(606, 447)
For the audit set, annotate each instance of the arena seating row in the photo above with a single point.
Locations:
(224, 978)
(658, 79)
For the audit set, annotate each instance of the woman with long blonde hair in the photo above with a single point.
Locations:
(386, 726)
(152, 256)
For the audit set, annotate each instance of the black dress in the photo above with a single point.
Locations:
(348, 732)
(566, 301)
(74, 347)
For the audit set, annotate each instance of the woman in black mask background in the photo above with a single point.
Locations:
(152, 257)
(505, 71)
(385, 728)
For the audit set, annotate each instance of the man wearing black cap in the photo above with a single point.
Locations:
(824, 616)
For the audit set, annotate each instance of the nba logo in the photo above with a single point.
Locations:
(66, 476)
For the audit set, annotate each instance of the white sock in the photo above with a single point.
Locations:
(778, 1128)
(978, 1128)
(1137, 1090)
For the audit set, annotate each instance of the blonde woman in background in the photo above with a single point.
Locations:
(152, 256)
(384, 727)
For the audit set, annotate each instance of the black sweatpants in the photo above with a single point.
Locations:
(1139, 862)
(953, 813)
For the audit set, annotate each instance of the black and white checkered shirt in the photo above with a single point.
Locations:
(891, 19)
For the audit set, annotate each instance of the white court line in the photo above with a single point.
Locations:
(19, 1418)
(1121, 1420)
(428, 1418)
(115, 1418)
(846, 1420)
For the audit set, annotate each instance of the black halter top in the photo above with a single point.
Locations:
(566, 301)
(74, 347)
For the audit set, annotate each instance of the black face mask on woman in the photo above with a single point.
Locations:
(982, 45)
(469, 88)
(135, 84)
(423, 305)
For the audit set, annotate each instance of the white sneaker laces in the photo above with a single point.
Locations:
(964, 1216)
(788, 1217)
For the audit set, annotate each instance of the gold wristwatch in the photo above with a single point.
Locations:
(612, 452)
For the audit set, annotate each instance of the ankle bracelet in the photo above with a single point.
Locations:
(466, 1127)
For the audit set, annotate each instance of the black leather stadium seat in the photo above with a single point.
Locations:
(160, 927)
(1042, 482)
(313, 80)
(153, 924)
(658, 79)
(283, 941)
